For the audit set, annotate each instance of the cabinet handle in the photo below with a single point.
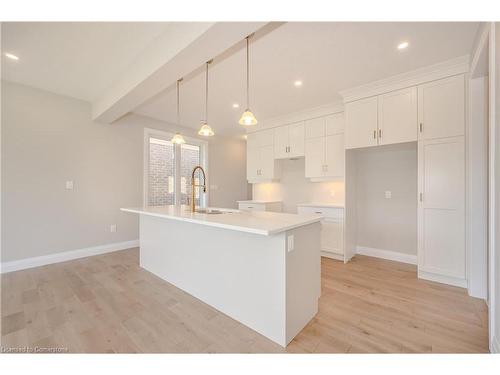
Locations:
(421, 197)
(421, 127)
(326, 167)
(374, 134)
(380, 133)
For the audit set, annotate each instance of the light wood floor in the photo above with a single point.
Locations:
(108, 303)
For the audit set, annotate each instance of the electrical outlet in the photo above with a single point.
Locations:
(290, 242)
(69, 185)
(388, 194)
(112, 228)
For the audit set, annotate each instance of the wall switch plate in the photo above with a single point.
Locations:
(112, 228)
(290, 242)
(69, 185)
(388, 194)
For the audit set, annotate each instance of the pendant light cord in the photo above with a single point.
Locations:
(178, 111)
(248, 78)
(206, 94)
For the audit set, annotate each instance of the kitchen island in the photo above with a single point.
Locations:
(260, 268)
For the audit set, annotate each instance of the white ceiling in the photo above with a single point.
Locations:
(77, 59)
(83, 59)
(327, 57)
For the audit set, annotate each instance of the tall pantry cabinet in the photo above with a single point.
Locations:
(441, 179)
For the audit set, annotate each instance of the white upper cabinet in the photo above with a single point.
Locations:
(334, 124)
(281, 142)
(334, 155)
(441, 108)
(261, 165)
(315, 127)
(397, 116)
(315, 157)
(289, 141)
(361, 123)
(296, 140)
(324, 147)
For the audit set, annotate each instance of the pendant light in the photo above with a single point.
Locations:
(248, 118)
(205, 129)
(178, 138)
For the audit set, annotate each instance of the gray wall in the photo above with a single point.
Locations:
(48, 139)
(387, 224)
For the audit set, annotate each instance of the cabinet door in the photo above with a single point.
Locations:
(253, 161)
(397, 117)
(265, 137)
(361, 123)
(267, 163)
(334, 155)
(335, 123)
(315, 128)
(281, 142)
(441, 108)
(315, 157)
(441, 212)
(296, 140)
(332, 236)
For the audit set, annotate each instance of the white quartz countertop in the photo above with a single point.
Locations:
(319, 204)
(261, 222)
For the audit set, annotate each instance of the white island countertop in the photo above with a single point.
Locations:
(261, 222)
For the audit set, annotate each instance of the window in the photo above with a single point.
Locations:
(168, 168)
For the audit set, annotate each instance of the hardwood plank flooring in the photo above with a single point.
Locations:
(107, 304)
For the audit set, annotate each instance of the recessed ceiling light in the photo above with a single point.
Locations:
(297, 83)
(11, 56)
(403, 45)
(236, 105)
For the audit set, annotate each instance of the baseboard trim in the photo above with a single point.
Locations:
(386, 254)
(495, 345)
(462, 283)
(330, 255)
(22, 264)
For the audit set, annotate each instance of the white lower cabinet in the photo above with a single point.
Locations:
(259, 206)
(332, 229)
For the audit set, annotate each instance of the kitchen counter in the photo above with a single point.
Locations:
(256, 222)
(260, 268)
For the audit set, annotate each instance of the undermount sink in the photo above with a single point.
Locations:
(209, 211)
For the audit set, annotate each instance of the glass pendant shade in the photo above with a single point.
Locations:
(206, 130)
(247, 118)
(178, 139)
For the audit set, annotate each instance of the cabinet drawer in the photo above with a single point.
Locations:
(251, 207)
(327, 212)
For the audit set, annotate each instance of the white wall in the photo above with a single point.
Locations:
(387, 224)
(477, 177)
(48, 139)
(294, 188)
(496, 118)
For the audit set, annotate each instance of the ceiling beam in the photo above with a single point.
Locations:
(183, 48)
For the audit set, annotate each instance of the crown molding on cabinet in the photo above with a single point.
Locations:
(479, 59)
(429, 73)
(306, 114)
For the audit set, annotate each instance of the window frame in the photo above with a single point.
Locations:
(166, 135)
